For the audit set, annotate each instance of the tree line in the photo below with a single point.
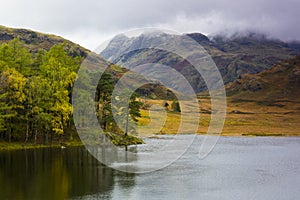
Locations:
(35, 94)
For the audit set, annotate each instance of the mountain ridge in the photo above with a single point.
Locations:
(233, 56)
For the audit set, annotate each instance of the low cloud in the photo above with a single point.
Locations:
(86, 21)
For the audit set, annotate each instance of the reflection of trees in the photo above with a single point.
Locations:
(52, 174)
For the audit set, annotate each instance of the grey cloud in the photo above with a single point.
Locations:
(278, 18)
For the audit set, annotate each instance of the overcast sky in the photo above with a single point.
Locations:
(90, 22)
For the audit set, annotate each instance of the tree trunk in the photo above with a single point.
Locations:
(51, 137)
(127, 118)
(9, 135)
(46, 140)
(70, 129)
(71, 135)
(27, 132)
(35, 136)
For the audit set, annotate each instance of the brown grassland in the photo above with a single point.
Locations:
(243, 118)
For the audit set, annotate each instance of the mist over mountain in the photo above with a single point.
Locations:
(245, 53)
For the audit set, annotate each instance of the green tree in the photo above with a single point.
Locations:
(12, 97)
(103, 99)
(104, 108)
(37, 105)
(176, 106)
(127, 114)
(16, 55)
(58, 72)
(13, 57)
(134, 107)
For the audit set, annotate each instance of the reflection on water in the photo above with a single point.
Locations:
(238, 168)
(53, 174)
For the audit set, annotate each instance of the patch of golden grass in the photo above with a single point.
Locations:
(256, 120)
(170, 126)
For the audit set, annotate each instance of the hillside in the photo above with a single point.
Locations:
(36, 41)
(279, 83)
(233, 56)
(266, 103)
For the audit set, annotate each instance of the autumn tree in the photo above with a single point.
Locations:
(12, 97)
(58, 73)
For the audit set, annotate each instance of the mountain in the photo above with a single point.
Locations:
(234, 56)
(279, 83)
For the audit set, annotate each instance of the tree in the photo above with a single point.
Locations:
(15, 55)
(38, 104)
(134, 107)
(12, 97)
(35, 93)
(127, 112)
(15, 62)
(176, 106)
(103, 98)
(105, 110)
(133, 112)
(58, 72)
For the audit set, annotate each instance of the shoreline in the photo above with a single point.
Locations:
(116, 139)
(13, 146)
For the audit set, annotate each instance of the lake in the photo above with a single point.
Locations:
(237, 168)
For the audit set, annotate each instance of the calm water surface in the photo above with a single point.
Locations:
(238, 168)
